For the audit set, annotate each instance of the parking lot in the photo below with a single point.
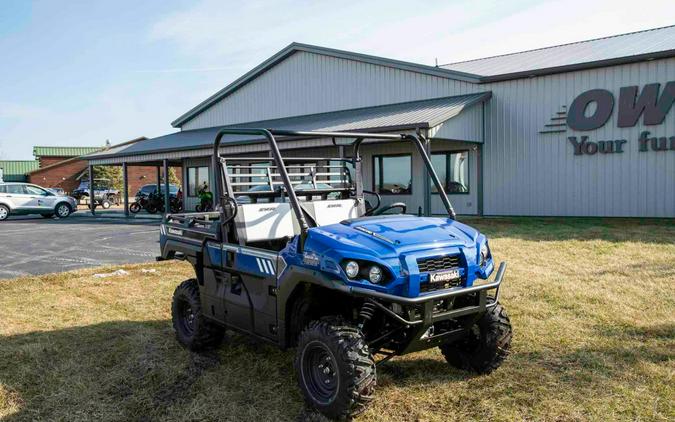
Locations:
(30, 246)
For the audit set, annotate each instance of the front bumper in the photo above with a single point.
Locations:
(424, 332)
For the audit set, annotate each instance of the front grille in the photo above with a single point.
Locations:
(429, 265)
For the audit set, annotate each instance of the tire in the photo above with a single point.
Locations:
(4, 212)
(151, 209)
(50, 215)
(486, 346)
(135, 208)
(105, 204)
(334, 367)
(62, 210)
(192, 328)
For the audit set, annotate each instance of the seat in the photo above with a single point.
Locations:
(259, 222)
(331, 211)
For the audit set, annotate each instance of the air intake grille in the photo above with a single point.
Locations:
(429, 265)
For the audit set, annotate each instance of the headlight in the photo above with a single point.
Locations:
(484, 254)
(352, 269)
(375, 274)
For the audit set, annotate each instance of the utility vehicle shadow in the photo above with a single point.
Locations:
(136, 370)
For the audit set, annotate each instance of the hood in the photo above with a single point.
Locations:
(399, 233)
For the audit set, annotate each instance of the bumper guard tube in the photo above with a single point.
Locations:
(429, 299)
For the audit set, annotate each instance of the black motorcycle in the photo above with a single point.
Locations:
(154, 203)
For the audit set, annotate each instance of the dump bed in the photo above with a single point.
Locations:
(186, 233)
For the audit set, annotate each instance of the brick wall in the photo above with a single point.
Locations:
(63, 176)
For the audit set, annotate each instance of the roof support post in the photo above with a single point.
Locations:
(125, 188)
(92, 200)
(167, 199)
(427, 179)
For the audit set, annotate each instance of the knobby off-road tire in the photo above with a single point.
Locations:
(334, 367)
(485, 347)
(192, 329)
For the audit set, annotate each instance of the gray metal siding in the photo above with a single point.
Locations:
(308, 83)
(528, 173)
(525, 172)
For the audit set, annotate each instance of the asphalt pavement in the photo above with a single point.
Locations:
(33, 245)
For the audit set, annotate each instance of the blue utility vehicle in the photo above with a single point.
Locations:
(304, 261)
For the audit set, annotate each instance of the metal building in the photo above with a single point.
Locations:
(582, 129)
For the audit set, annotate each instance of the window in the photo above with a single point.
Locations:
(34, 190)
(16, 190)
(197, 177)
(3, 189)
(452, 169)
(393, 174)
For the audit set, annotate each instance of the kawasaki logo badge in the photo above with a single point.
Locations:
(443, 276)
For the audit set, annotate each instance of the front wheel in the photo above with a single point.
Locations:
(486, 345)
(63, 210)
(134, 208)
(4, 212)
(192, 328)
(335, 369)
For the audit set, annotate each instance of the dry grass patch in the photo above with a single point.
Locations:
(591, 302)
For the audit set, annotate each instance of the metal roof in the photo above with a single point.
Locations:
(15, 170)
(296, 47)
(63, 151)
(618, 49)
(391, 117)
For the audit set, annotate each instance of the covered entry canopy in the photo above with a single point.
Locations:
(433, 115)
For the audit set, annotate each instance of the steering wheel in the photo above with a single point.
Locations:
(369, 208)
(400, 205)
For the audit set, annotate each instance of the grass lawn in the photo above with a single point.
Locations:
(592, 304)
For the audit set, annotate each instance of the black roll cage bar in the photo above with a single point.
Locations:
(358, 137)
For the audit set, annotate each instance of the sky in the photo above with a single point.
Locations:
(78, 73)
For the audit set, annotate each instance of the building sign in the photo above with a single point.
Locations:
(592, 109)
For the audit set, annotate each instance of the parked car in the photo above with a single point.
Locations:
(25, 198)
(104, 193)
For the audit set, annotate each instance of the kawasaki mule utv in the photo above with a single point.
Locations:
(294, 255)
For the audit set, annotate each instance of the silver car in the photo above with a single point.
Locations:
(24, 198)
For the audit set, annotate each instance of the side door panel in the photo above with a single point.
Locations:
(250, 299)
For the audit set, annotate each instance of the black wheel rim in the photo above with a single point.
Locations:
(186, 317)
(320, 373)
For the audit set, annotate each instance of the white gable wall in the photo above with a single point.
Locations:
(308, 83)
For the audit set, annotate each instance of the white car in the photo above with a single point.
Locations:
(24, 198)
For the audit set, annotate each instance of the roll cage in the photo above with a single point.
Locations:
(225, 190)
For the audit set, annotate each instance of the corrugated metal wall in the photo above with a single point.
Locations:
(529, 173)
(525, 172)
(308, 83)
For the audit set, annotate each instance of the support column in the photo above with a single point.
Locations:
(125, 188)
(92, 200)
(167, 201)
(427, 183)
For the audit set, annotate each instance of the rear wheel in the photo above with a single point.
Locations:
(192, 329)
(4, 212)
(335, 369)
(63, 210)
(485, 347)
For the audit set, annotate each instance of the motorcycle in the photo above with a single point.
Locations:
(154, 203)
(205, 202)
